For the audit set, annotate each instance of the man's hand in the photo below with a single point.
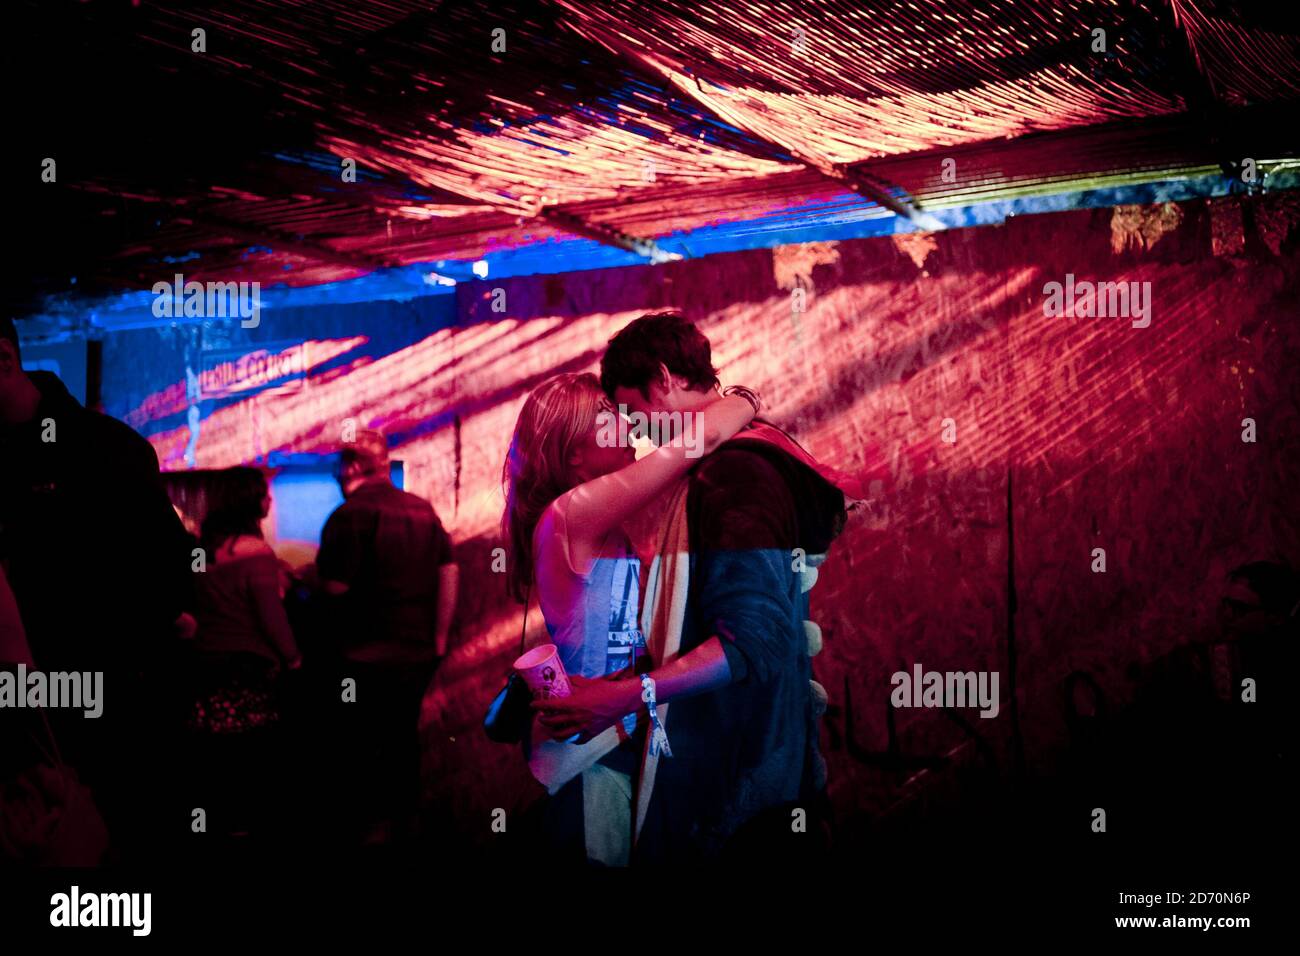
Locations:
(593, 706)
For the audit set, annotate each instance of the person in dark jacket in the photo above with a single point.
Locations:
(744, 753)
(387, 562)
(100, 567)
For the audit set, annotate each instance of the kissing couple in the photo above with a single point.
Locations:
(674, 587)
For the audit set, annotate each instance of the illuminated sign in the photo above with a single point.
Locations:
(276, 367)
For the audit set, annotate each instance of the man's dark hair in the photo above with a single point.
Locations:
(633, 357)
(10, 334)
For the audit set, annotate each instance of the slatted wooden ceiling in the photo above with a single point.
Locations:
(597, 118)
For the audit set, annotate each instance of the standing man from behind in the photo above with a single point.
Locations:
(386, 563)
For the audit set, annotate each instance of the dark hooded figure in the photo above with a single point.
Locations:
(99, 564)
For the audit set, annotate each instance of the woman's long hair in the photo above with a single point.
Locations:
(234, 508)
(554, 418)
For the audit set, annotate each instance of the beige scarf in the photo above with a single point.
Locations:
(663, 614)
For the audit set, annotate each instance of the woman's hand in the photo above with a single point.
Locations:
(593, 706)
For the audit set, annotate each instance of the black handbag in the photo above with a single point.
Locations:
(510, 717)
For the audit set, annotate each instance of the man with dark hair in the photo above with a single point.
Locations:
(100, 568)
(658, 339)
(743, 722)
(385, 558)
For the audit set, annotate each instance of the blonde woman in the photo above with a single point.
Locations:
(570, 490)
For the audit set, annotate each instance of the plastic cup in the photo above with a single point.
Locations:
(542, 671)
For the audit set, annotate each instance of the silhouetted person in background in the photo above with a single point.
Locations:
(99, 567)
(243, 645)
(1260, 599)
(1208, 730)
(1259, 617)
(386, 559)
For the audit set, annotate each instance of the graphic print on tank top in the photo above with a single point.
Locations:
(625, 638)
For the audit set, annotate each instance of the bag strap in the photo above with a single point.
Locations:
(523, 631)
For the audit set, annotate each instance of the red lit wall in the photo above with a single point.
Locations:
(1109, 436)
